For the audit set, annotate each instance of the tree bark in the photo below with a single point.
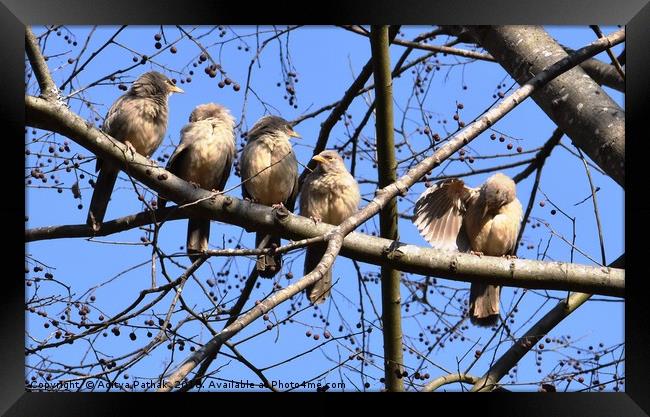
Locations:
(574, 101)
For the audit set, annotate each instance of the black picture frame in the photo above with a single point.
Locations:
(15, 14)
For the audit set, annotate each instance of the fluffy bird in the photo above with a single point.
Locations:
(269, 171)
(204, 158)
(483, 220)
(138, 119)
(329, 194)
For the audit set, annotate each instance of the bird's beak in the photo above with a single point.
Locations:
(175, 89)
(319, 159)
(294, 134)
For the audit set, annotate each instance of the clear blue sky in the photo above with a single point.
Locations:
(326, 61)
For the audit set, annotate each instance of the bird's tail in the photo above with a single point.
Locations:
(198, 234)
(269, 264)
(484, 304)
(319, 291)
(101, 195)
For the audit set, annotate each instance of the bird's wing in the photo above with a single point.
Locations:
(439, 211)
(188, 136)
(222, 176)
(110, 125)
(506, 224)
(291, 201)
(114, 114)
(244, 168)
(314, 199)
(291, 167)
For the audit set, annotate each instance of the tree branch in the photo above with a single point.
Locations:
(374, 250)
(449, 379)
(386, 167)
(39, 67)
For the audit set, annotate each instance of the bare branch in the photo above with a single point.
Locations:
(449, 379)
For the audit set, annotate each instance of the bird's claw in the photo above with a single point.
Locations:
(477, 253)
(130, 147)
(511, 256)
(316, 219)
(278, 205)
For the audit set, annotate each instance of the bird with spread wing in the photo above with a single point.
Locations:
(483, 220)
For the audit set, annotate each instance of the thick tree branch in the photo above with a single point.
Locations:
(574, 101)
(374, 250)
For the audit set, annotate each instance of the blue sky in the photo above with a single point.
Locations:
(326, 60)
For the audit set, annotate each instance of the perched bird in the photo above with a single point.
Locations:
(204, 158)
(329, 194)
(269, 172)
(138, 119)
(484, 220)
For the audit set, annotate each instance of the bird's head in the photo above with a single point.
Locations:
(272, 125)
(498, 191)
(209, 111)
(154, 84)
(329, 161)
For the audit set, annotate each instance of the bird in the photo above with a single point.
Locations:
(483, 220)
(269, 173)
(138, 119)
(329, 194)
(204, 158)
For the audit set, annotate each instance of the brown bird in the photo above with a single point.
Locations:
(204, 158)
(484, 220)
(138, 119)
(329, 194)
(269, 171)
